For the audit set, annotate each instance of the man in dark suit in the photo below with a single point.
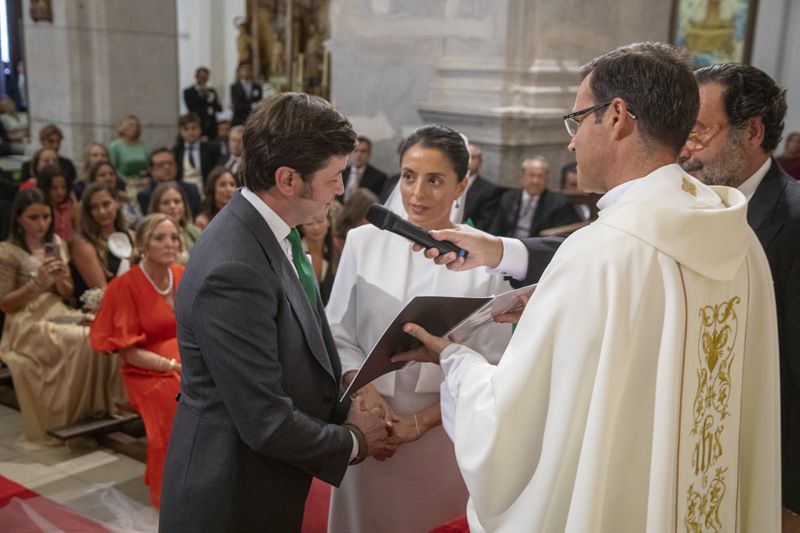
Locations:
(233, 161)
(244, 93)
(202, 100)
(194, 156)
(738, 127)
(525, 212)
(258, 414)
(481, 197)
(360, 174)
(163, 169)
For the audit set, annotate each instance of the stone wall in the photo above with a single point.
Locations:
(99, 60)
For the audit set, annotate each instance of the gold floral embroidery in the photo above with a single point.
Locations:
(718, 332)
(689, 187)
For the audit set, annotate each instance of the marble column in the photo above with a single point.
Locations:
(99, 60)
(501, 71)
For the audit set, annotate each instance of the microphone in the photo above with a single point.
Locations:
(383, 218)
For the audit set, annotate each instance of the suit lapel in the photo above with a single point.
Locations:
(308, 319)
(761, 207)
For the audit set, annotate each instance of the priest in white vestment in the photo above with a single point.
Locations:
(420, 486)
(640, 389)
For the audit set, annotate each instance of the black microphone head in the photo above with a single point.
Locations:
(379, 216)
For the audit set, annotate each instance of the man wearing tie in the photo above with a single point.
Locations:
(233, 160)
(360, 174)
(195, 157)
(259, 412)
(202, 100)
(244, 93)
(525, 212)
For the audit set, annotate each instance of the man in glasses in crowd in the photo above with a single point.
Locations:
(738, 127)
(640, 389)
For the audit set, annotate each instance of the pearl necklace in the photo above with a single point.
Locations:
(170, 281)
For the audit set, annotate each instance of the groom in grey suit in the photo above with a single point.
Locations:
(258, 414)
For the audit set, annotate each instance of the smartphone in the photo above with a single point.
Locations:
(51, 250)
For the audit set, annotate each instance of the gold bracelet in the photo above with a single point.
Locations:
(416, 424)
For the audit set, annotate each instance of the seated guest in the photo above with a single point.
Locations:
(318, 245)
(420, 486)
(168, 198)
(352, 215)
(527, 211)
(16, 125)
(163, 169)
(136, 319)
(106, 173)
(221, 141)
(93, 265)
(479, 202)
(194, 156)
(50, 136)
(569, 185)
(233, 159)
(57, 377)
(219, 190)
(94, 153)
(127, 152)
(53, 184)
(790, 160)
(42, 157)
(359, 174)
(202, 100)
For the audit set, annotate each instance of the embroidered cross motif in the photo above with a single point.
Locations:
(689, 187)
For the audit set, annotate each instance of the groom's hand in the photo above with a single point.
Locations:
(373, 426)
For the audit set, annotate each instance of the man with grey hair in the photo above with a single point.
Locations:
(526, 211)
(640, 389)
(738, 127)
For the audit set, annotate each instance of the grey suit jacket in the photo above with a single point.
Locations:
(258, 410)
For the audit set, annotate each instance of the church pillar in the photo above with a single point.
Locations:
(99, 60)
(503, 72)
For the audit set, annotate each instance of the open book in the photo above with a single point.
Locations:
(454, 317)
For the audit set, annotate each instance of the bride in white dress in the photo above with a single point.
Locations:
(419, 487)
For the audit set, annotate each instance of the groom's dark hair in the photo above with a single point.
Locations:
(295, 130)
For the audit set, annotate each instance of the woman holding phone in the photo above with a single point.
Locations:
(57, 377)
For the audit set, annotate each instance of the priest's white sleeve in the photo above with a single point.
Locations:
(456, 359)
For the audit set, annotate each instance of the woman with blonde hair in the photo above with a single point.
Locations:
(136, 319)
(168, 198)
(128, 153)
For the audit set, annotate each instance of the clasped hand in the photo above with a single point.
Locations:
(51, 270)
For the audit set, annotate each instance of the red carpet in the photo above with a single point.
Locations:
(22, 511)
(315, 518)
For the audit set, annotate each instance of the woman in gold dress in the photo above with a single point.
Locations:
(57, 377)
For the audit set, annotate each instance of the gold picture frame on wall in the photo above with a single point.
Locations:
(714, 31)
(41, 11)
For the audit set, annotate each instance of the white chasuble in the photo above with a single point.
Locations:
(640, 389)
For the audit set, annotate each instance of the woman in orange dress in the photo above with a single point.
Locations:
(136, 319)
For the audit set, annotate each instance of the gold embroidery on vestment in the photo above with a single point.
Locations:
(719, 327)
(689, 187)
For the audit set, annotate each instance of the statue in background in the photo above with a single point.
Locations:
(243, 40)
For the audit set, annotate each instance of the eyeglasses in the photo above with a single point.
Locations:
(700, 138)
(572, 123)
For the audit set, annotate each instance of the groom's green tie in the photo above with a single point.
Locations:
(304, 270)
